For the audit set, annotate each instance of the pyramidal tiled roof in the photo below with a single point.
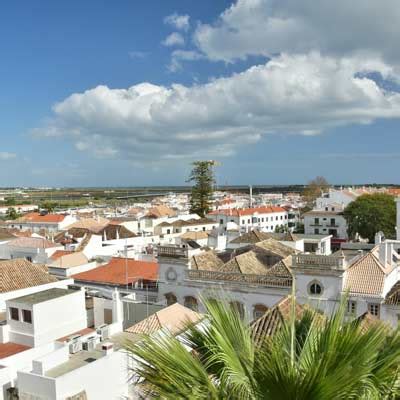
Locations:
(173, 318)
(271, 321)
(366, 276)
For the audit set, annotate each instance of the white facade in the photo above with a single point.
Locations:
(51, 318)
(319, 222)
(253, 218)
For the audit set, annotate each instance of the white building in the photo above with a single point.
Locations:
(37, 222)
(48, 352)
(33, 249)
(323, 222)
(266, 218)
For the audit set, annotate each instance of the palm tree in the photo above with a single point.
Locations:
(309, 357)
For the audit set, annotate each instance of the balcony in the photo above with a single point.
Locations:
(316, 261)
(234, 278)
(172, 252)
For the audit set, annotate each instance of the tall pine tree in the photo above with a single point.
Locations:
(202, 176)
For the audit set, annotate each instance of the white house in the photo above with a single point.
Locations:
(48, 352)
(33, 249)
(266, 218)
(39, 221)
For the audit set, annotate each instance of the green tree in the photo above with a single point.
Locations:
(281, 229)
(315, 188)
(12, 213)
(48, 205)
(371, 213)
(10, 201)
(202, 176)
(308, 358)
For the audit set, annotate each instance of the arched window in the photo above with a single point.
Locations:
(259, 310)
(238, 307)
(171, 299)
(315, 288)
(191, 302)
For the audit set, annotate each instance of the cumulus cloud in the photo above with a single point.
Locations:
(290, 94)
(4, 156)
(337, 28)
(178, 21)
(174, 39)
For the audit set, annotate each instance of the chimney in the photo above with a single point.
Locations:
(379, 237)
(385, 253)
(107, 348)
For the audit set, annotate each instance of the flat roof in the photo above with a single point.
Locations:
(9, 349)
(43, 296)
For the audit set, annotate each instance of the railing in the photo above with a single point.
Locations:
(317, 261)
(231, 277)
(171, 251)
(315, 224)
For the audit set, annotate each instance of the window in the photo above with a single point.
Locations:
(191, 302)
(27, 316)
(351, 307)
(316, 231)
(374, 309)
(248, 221)
(333, 208)
(333, 221)
(266, 219)
(326, 208)
(168, 231)
(281, 216)
(259, 310)
(29, 258)
(276, 218)
(14, 314)
(221, 221)
(204, 228)
(171, 299)
(316, 221)
(315, 288)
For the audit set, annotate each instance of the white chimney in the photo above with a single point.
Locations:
(107, 348)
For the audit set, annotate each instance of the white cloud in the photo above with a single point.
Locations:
(178, 56)
(303, 94)
(267, 27)
(174, 39)
(4, 156)
(178, 21)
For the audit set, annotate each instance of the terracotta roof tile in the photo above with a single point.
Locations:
(173, 318)
(249, 211)
(32, 242)
(121, 271)
(37, 217)
(9, 349)
(19, 274)
(365, 276)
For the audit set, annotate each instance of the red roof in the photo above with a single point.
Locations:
(37, 217)
(10, 348)
(118, 270)
(249, 211)
(82, 332)
(60, 253)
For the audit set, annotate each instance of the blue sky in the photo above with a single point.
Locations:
(274, 105)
